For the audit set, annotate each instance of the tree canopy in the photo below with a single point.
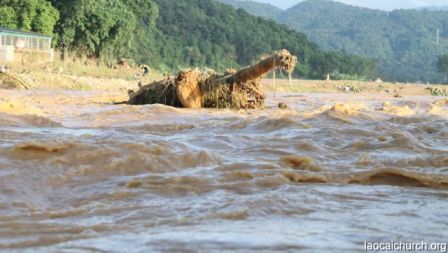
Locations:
(96, 28)
(28, 15)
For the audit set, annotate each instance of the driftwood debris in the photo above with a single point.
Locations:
(195, 89)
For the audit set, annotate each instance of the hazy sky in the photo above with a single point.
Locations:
(376, 4)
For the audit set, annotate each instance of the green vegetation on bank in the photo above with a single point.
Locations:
(169, 35)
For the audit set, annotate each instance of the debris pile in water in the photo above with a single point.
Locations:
(192, 88)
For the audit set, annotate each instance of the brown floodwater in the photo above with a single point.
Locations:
(78, 174)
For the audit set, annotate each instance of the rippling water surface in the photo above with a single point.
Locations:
(80, 175)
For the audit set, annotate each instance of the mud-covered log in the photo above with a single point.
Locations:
(233, 89)
(282, 59)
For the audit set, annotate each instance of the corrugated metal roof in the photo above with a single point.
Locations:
(18, 32)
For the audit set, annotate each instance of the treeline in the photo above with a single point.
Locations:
(103, 28)
(169, 35)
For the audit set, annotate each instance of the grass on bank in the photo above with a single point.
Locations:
(74, 73)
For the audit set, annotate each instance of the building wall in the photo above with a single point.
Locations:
(24, 49)
(6, 54)
(22, 42)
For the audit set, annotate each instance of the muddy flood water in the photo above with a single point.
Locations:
(78, 174)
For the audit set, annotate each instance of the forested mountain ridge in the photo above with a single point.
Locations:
(404, 41)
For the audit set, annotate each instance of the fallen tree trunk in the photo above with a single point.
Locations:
(233, 89)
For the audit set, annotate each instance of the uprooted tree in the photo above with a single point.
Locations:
(233, 89)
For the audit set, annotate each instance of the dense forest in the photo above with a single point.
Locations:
(403, 41)
(169, 35)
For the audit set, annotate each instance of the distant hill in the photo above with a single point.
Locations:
(255, 8)
(404, 41)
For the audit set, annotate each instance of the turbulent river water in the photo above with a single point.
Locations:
(78, 174)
